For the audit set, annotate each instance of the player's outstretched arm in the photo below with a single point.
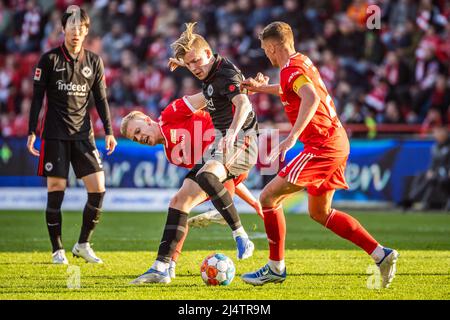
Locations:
(197, 100)
(260, 84)
(245, 194)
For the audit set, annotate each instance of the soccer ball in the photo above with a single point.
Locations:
(217, 270)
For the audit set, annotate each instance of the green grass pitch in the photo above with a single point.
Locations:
(319, 264)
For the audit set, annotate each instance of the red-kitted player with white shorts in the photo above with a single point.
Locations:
(319, 168)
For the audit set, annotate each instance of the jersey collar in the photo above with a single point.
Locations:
(214, 68)
(67, 55)
(289, 60)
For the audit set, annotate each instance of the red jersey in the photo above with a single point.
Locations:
(187, 133)
(324, 133)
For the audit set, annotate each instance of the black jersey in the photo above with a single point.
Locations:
(68, 83)
(220, 86)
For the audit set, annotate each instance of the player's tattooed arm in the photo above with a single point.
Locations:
(197, 100)
(260, 84)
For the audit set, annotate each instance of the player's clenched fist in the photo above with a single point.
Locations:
(252, 84)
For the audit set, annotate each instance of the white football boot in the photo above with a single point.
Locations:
(59, 257)
(85, 251)
(205, 219)
(388, 266)
(245, 247)
(152, 276)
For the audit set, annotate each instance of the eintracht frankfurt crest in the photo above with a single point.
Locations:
(87, 72)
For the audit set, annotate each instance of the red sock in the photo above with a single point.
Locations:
(180, 246)
(275, 225)
(349, 228)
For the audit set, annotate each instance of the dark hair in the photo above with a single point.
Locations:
(84, 18)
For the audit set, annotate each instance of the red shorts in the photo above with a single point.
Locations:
(316, 173)
(240, 178)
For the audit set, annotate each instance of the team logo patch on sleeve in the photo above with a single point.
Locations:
(37, 74)
(232, 87)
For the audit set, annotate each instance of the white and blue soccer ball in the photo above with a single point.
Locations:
(217, 270)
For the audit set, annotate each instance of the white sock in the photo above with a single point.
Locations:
(172, 264)
(377, 254)
(239, 232)
(160, 266)
(277, 266)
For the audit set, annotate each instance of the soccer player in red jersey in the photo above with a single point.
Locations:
(319, 168)
(186, 134)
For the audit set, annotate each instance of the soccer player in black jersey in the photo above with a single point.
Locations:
(68, 74)
(234, 120)
(234, 151)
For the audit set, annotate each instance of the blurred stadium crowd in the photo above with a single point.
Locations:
(397, 74)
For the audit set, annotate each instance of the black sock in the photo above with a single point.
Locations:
(53, 218)
(91, 215)
(174, 231)
(220, 197)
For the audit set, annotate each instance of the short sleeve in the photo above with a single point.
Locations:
(288, 77)
(177, 111)
(230, 83)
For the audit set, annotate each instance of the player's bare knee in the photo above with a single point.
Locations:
(175, 202)
(97, 189)
(320, 215)
(95, 183)
(267, 199)
(56, 186)
(181, 203)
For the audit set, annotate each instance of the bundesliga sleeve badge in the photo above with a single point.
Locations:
(37, 74)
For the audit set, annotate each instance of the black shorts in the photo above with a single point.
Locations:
(57, 155)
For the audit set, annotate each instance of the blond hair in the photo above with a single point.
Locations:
(188, 41)
(278, 30)
(131, 116)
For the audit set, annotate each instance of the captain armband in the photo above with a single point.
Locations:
(300, 82)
